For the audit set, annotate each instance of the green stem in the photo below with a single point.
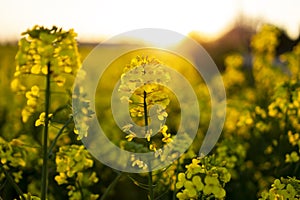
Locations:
(145, 112)
(296, 168)
(58, 135)
(150, 181)
(112, 184)
(45, 135)
(80, 189)
(12, 182)
(176, 172)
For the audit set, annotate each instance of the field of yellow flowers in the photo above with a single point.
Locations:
(42, 156)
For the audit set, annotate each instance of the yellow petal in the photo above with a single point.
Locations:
(31, 102)
(35, 90)
(45, 70)
(60, 81)
(38, 122)
(68, 69)
(36, 69)
(15, 85)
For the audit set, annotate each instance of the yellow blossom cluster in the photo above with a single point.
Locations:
(41, 49)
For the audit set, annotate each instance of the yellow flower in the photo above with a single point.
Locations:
(16, 85)
(35, 90)
(93, 178)
(234, 60)
(140, 164)
(45, 70)
(17, 176)
(193, 168)
(41, 119)
(162, 114)
(152, 147)
(61, 178)
(32, 96)
(181, 180)
(158, 153)
(127, 127)
(68, 69)
(31, 102)
(293, 138)
(130, 136)
(81, 130)
(164, 129)
(272, 110)
(60, 81)
(26, 113)
(36, 69)
(76, 131)
(148, 135)
(167, 138)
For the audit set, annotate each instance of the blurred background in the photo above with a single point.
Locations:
(220, 26)
(95, 20)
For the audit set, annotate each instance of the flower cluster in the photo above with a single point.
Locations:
(142, 87)
(286, 188)
(292, 60)
(12, 156)
(203, 179)
(39, 50)
(41, 120)
(266, 69)
(144, 75)
(32, 97)
(136, 162)
(72, 163)
(233, 75)
(231, 153)
(81, 111)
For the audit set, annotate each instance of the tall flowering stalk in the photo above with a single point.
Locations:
(48, 56)
(142, 87)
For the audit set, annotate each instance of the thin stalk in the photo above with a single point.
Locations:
(58, 135)
(176, 172)
(12, 182)
(150, 181)
(45, 136)
(80, 189)
(137, 183)
(111, 186)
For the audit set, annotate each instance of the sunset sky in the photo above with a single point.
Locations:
(94, 20)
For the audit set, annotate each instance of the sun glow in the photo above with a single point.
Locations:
(160, 38)
(93, 20)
